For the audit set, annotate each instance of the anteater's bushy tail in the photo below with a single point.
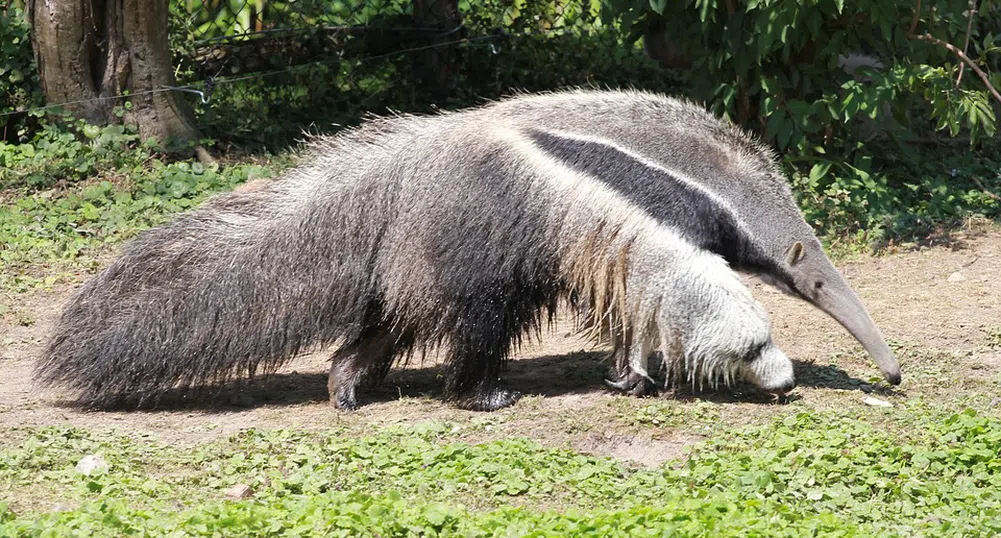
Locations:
(238, 286)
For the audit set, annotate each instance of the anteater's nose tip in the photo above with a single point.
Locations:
(783, 388)
(894, 378)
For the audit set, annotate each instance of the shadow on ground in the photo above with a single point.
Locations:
(554, 375)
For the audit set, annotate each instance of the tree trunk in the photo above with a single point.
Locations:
(669, 54)
(435, 66)
(89, 51)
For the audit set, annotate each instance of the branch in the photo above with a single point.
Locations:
(984, 189)
(962, 56)
(914, 21)
(966, 46)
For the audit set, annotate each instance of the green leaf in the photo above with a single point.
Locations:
(704, 9)
(771, 104)
(819, 170)
(775, 122)
(436, 515)
(785, 133)
(798, 108)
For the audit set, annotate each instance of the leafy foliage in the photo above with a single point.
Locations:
(853, 94)
(804, 474)
(908, 195)
(550, 45)
(56, 155)
(796, 66)
(68, 198)
(513, 46)
(19, 86)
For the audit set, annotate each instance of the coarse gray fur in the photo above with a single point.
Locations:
(463, 230)
(687, 304)
(708, 179)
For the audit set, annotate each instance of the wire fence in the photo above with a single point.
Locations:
(258, 72)
(323, 63)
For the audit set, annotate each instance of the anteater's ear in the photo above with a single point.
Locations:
(795, 253)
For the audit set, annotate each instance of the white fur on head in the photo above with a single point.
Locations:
(692, 308)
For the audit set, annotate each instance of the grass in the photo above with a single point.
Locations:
(65, 201)
(993, 338)
(806, 473)
(823, 465)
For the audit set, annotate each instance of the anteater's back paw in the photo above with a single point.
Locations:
(488, 399)
(634, 384)
(343, 397)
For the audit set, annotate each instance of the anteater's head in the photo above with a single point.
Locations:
(727, 333)
(768, 368)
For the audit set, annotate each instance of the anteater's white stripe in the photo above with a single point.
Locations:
(661, 168)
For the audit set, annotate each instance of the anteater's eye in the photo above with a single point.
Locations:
(818, 284)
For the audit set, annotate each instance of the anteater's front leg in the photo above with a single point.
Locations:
(629, 375)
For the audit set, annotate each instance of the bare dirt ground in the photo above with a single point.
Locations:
(939, 307)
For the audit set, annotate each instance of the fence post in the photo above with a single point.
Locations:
(435, 67)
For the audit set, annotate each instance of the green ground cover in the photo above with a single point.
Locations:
(810, 473)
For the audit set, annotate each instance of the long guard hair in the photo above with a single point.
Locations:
(461, 230)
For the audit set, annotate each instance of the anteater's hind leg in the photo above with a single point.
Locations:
(365, 361)
(483, 390)
(477, 356)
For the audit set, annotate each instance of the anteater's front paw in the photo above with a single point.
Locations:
(634, 384)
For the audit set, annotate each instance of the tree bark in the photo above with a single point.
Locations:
(669, 54)
(90, 51)
(435, 65)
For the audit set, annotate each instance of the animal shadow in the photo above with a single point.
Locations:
(553, 375)
(829, 376)
(581, 371)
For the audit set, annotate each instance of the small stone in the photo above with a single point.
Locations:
(994, 403)
(90, 464)
(239, 491)
(957, 277)
(875, 402)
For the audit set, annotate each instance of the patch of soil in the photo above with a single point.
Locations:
(937, 322)
(636, 450)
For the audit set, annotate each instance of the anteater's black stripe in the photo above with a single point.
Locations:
(699, 219)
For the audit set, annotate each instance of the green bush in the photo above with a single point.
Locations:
(58, 155)
(19, 86)
(67, 196)
(865, 146)
(776, 66)
(514, 46)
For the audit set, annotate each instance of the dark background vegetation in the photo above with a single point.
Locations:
(897, 149)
